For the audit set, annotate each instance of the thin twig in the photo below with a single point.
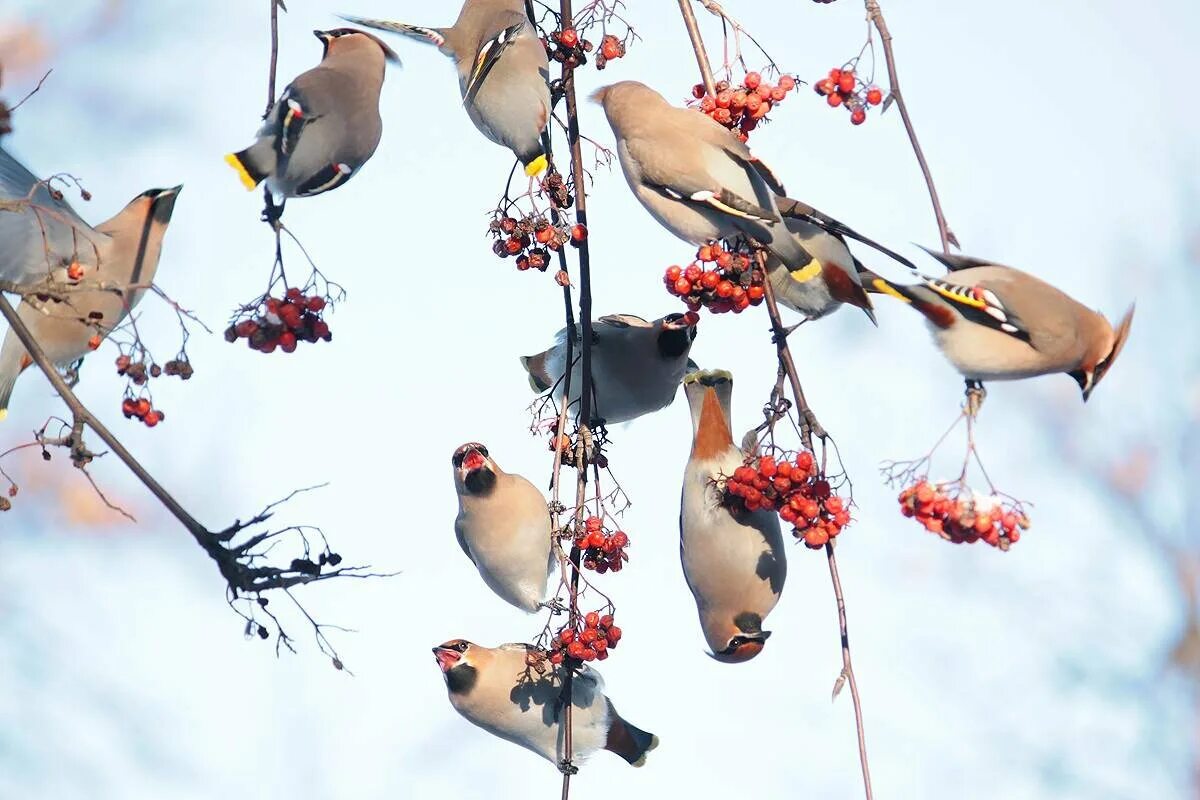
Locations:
(875, 17)
(809, 427)
(32, 92)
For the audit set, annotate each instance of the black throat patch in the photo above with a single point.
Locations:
(480, 481)
(672, 343)
(461, 678)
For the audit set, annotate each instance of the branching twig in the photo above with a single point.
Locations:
(875, 17)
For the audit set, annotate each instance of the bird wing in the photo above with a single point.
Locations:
(981, 302)
(36, 226)
(799, 210)
(433, 36)
(488, 55)
(623, 321)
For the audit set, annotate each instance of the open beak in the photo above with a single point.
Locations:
(473, 460)
(679, 322)
(164, 203)
(446, 657)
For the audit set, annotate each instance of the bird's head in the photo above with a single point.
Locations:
(738, 639)
(455, 658)
(626, 102)
(676, 332)
(1105, 344)
(346, 39)
(474, 470)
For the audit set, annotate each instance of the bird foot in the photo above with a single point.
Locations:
(975, 396)
(553, 605)
(566, 767)
(781, 335)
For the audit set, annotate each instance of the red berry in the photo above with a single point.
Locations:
(693, 273)
(698, 91)
(724, 289)
(566, 636)
(673, 274)
(620, 539)
(858, 116)
(874, 96)
(94, 342)
(764, 90)
(835, 74)
(846, 82)
(709, 280)
(611, 47)
(579, 234)
(778, 94)
(752, 80)
(614, 635)
(708, 104)
(315, 304)
(606, 621)
(724, 99)
(568, 37)
(592, 619)
(787, 83)
(587, 636)
(595, 539)
(815, 538)
(513, 245)
(766, 466)
(287, 342)
(826, 86)
(151, 419)
(683, 287)
(755, 294)
(575, 651)
(75, 271)
(834, 100)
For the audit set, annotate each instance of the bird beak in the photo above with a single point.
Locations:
(709, 377)
(677, 322)
(164, 203)
(473, 460)
(323, 36)
(446, 657)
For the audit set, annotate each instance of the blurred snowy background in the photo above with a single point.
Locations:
(1063, 141)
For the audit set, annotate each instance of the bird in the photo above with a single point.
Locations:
(733, 562)
(325, 125)
(503, 526)
(636, 365)
(503, 72)
(997, 323)
(703, 184)
(129, 245)
(498, 689)
(39, 229)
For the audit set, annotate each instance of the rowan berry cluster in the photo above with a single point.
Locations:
(601, 550)
(793, 487)
(531, 239)
(282, 323)
(143, 410)
(729, 284)
(568, 48)
(841, 87)
(138, 373)
(591, 642)
(741, 108)
(958, 515)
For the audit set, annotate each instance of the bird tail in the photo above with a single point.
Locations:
(433, 36)
(629, 742)
(535, 165)
(539, 379)
(9, 372)
(794, 208)
(253, 164)
(877, 285)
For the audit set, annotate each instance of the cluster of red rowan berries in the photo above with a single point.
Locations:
(741, 108)
(795, 489)
(568, 48)
(517, 237)
(610, 47)
(283, 323)
(962, 519)
(592, 643)
(138, 373)
(843, 88)
(142, 409)
(601, 550)
(731, 284)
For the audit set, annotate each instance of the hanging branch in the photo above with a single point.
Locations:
(809, 427)
(875, 17)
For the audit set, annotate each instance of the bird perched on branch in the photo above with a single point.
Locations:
(503, 526)
(39, 230)
(503, 72)
(128, 248)
(636, 365)
(702, 184)
(326, 123)
(734, 562)
(499, 690)
(996, 323)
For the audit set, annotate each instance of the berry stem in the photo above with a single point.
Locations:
(875, 16)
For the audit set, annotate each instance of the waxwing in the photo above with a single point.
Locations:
(636, 365)
(129, 246)
(503, 526)
(326, 123)
(998, 323)
(734, 562)
(502, 691)
(503, 72)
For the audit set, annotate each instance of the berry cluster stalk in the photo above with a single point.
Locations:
(875, 17)
(809, 425)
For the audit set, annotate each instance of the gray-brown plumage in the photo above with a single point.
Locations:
(998, 323)
(734, 562)
(127, 249)
(498, 690)
(636, 365)
(503, 526)
(503, 72)
(325, 125)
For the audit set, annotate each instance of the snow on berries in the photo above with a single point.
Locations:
(794, 487)
(742, 107)
(958, 515)
(589, 641)
(720, 280)
(281, 323)
(842, 87)
(531, 239)
(600, 549)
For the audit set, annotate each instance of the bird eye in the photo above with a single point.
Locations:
(461, 647)
(483, 451)
(737, 641)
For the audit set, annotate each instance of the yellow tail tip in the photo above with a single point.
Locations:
(232, 160)
(3, 414)
(537, 166)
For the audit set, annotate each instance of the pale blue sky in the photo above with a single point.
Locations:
(1063, 140)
